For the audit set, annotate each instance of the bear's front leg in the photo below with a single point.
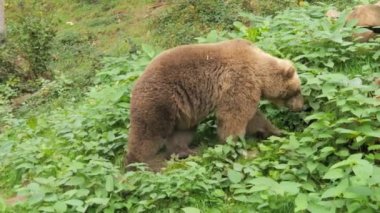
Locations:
(260, 127)
(232, 120)
(147, 151)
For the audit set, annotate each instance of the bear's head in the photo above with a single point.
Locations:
(283, 86)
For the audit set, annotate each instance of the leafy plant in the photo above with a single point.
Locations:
(35, 43)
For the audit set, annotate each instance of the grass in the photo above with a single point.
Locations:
(86, 32)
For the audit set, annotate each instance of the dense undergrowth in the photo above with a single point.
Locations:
(69, 159)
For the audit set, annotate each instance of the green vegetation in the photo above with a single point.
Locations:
(68, 158)
(183, 20)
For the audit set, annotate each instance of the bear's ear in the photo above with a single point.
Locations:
(288, 69)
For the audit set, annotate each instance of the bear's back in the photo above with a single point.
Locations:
(189, 77)
(202, 53)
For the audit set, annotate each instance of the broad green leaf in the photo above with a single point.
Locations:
(356, 82)
(374, 147)
(320, 208)
(290, 187)
(355, 157)
(308, 186)
(342, 164)
(346, 131)
(234, 176)
(45, 181)
(316, 116)
(218, 193)
(363, 169)
(191, 210)
(333, 174)
(368, 131)
(47, 209)
(327, 149)
(353, 206)
(292, 145)
(36, 197)
(98, 200)
(237, 167)
(265, 183)
(332, 192)
(60, 206)
(82, 192)
(376, 55)
(375, 179)
(109, 183)
(300, 202)
(241, 198)
(75, 181)
(343, 153)
(74, 202)
(357, 192)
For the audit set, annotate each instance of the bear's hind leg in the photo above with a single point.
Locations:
(179, 143)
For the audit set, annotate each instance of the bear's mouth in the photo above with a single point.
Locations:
(295, 102)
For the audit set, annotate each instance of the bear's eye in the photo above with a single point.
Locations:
(294, 93)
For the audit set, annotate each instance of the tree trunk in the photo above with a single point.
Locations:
(2, 21)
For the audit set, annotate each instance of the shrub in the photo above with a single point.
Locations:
(268, 7)
(26, 54)
(185, 19)
(35, 36)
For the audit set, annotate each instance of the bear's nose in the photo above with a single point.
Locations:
(298, 108)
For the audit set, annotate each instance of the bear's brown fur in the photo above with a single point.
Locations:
(181, 86)
(179, 143)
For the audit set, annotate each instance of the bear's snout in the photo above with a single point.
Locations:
(295, 104)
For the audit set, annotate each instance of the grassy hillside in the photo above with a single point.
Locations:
(61, 150)
(86, 32)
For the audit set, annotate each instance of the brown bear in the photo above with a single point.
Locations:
(183, 85)
(367, 16)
